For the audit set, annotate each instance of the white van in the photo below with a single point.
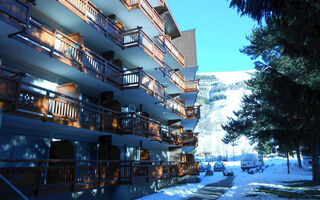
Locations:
(249, 161)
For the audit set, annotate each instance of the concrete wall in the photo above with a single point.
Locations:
(188, 47)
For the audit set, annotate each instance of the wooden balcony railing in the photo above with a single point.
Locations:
(173, 76)
(148, 10)
(15, 9)
(87, 11)
(167, 43)
(176, 107)
(134, 124)
(138, 78)
(193, 112)
(192, 86)
(65, 49)
(171, 137)
(88, 174)
(190, 139)
(36, 102)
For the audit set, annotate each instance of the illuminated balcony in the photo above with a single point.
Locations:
(102, 32)
(175, 58)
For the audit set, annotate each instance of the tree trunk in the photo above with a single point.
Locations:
(299, 157)
(315, 159)
(288, 163)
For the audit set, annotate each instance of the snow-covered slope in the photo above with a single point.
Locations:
(220, 95)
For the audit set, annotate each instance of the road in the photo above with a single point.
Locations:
(213, 191)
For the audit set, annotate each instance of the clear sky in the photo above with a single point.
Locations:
(220, 32)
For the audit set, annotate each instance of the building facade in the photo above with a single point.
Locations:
(97, 99)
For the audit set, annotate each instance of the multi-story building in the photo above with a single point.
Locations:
(96, 99)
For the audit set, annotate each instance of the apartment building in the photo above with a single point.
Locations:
(97, 99)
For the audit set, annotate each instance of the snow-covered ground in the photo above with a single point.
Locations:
(186, 190)
(244, 184)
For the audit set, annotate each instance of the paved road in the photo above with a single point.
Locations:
(214, 190)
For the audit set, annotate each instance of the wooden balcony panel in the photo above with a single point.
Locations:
(148, 10)
(135, 78)
(173, 76)
(152, 48)
(190, 139)
(141, 126)
(193, 112)
(16, 9)
(173, 50)
(74, 54)
(176, 107)
(87, 11)
(192, 86)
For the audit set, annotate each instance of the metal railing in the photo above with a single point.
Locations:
(173, 50)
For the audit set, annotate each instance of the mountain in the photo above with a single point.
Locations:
(220, 94)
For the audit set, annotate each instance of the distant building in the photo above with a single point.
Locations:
(97, 99)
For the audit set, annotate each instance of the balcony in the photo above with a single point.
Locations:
(83, 61)
(170, 76)
(192, 86)
(193, 112)
(13, 12)
(148, 10)
(175, 58)
(190, 139)
(171, 137)
(48, 175)
(86, 18)
(27, 100)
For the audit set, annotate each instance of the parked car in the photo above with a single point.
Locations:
(219, 167)
(249, 161)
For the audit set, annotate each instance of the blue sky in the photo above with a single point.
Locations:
(221, 32)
